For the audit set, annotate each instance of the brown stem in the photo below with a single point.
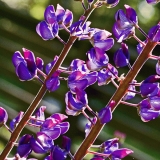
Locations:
(118, 95)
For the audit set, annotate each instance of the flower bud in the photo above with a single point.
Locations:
(3, 116)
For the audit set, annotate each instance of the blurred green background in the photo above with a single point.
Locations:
(18, 20)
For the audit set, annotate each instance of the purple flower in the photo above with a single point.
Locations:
(158, 67)
(57, 154)
(53, 82)
(48, 28)
(26, 67)
(111, 149)
(3, 116)
(66, 143)
(152, 1)
(24, 147)
(150, 86)
(16, 120)
(146, 111)
(140, 46)
(111, 3)
(54, 127)
(96, 59)
(89, 125)
(78, 65)
(124, 27)
(75, 105)
(106, 74)
(100, 39)
(38, 116)
(82, 31)
(64, 18)
(155, 102)
(130, 94)
(105, 115)
(154, 33)
(47, 31)
(81, 80)
(121, 56)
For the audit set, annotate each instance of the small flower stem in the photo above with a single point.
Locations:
(117, 97)
(129, 104)
(42, 73)
(39, 79)
(90, 109)
(33, 125)
(140, 29)
(134, 91)
(137, 39)
(83, 5)
(95, 146)
(135, 84)
(154, 57)
(65, 28)
(84, 113)
(99, 154)
(71, 156)
(8, 128)
(114, 83)
(61, 40)
(63, 78)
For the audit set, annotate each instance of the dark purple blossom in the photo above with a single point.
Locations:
(53, 82)
(89, 125)
(158, 67)
(75, 105)
(16, 120)
(47, 31)
(106, 74)
(110, 148)
(3, 116)
(154, 33)
(54, 127)
(124, 27)
(64, 18)
(121, 56)
(100, 39)
(24, 146)
(66, 143)
(38, 116)
(140, 46)
(155, 102)
(48, 28)
(96, 59)
(150, 86)
(78, 65)
(81, 80)
(130, 94)
(82, 31)
(111, 3)
(26, 66)
(152, 1)
(105, 115)
(146, 111)
(57, 154)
